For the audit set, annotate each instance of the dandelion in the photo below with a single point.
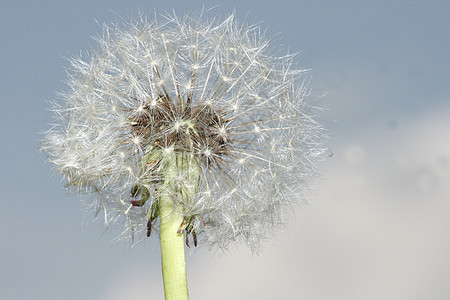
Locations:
(194, 129)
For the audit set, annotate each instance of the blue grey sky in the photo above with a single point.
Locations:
(378, 224)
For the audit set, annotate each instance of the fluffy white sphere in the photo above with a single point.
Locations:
(214, 94)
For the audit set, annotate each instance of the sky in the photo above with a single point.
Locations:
(379, 220)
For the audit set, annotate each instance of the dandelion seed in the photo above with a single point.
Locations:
(197, 112)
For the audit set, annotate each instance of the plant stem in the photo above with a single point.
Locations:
(173, 258)
(181, 178)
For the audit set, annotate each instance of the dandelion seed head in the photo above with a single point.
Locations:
(210, 93)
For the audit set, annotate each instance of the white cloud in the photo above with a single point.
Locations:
(378, 228)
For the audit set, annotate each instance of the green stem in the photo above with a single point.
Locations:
(173, 258)
(174, 192)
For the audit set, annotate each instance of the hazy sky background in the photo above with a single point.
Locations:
(379, 223)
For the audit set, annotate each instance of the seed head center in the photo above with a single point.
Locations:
(182, 126)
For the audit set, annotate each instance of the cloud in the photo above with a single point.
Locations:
(377, 229)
